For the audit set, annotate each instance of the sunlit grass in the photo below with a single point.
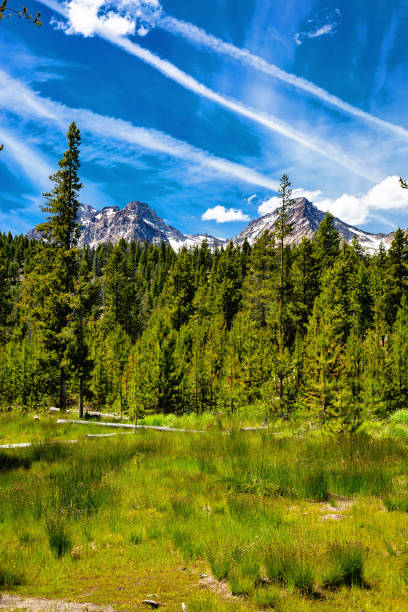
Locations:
(113, 520)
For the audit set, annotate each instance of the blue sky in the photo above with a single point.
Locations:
(197, 108)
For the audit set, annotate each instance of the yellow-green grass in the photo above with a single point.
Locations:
(112, 521)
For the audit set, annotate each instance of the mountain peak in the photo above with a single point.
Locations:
(136, 221)
(305, 218)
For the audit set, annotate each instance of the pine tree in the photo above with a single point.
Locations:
(78, 352)
(397, 275)
(282, 229)
(398, 357)
(258, 290)
(323, 356)
(61, 227)
(49, 287)
(122, 303)
(326, 243)
(305, 273)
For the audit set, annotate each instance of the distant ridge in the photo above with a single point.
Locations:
(306, 218)
(137, 221)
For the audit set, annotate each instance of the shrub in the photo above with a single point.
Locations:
(400, 417)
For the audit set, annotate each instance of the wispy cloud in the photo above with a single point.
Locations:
(354, 209)
(222, 215)
(201, 38)
(323, 24)
(19, 99)
(19, 154)
(274, 124)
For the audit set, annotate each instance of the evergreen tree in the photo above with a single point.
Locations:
(326, 243)
(282, 229)
(323, 359)
(398, 357)
(51, 283)
(258, 288)
(397, 275)
(78, 352)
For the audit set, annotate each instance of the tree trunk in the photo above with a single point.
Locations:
(81, 398)
(63, 392)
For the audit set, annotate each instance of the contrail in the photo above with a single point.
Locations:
(190, 83)
(201, 38)
(269, 121)
(18, 98)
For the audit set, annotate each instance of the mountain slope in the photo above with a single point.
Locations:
(306, 218)
(136, 221)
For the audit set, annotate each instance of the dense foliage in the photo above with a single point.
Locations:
(318, 329)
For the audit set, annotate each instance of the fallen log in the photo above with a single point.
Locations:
(21, 445)
(25, 444)
(117, 433)
(107, 414)
(128, 426)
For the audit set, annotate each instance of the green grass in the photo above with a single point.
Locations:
(113, 520)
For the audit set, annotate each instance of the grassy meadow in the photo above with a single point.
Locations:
(226, 520)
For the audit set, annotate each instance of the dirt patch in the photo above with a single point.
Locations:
(217, 586)
(340, 504)
(14, 602)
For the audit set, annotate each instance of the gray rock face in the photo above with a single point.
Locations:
(306, 218)
(136, 221)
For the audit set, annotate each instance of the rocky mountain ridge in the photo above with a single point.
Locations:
(305, 218)
(137, 221)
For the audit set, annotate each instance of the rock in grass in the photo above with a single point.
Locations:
(151, 603)
(332, 517)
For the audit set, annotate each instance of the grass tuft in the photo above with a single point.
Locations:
(58, 537)
(347, 566)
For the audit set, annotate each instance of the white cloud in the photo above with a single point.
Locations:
(271, 204)
(19, 99)
(221, 215)
(114, 17)
(353, 209)
(312, 196)
(252, 197)
(268, 205)
(322, 24)
(24, 155)
(200, 38)
(184, 79)
(326, 29)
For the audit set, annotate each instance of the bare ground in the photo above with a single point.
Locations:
(14, 602)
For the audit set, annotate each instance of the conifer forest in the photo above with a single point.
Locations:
(317, 330)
